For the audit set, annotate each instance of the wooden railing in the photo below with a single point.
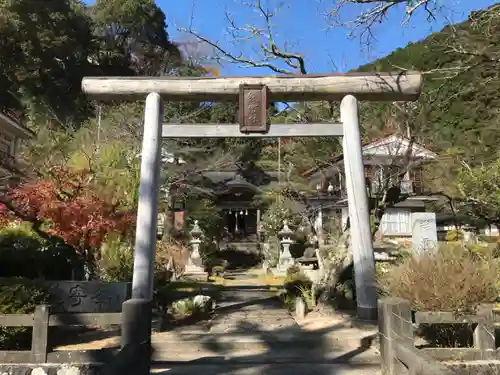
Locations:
(397, 349)
(41, 320)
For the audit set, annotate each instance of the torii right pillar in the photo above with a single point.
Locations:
(359, 212)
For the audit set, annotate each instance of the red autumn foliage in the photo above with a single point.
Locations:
(4, 215)
(71, 207)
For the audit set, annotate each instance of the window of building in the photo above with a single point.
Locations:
(396, 222)
(6, 143)
(4, 147)
(6, 137)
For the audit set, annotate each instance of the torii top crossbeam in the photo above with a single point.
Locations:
(403, 86)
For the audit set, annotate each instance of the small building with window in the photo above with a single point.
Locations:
(12, 133)
(389, 162)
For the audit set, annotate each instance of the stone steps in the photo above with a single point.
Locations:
(252, 333)
(283, 355)
(338, 336)
(268, 369)
(264, 347)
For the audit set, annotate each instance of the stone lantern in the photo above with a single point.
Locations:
(194, 267)
(285, 259)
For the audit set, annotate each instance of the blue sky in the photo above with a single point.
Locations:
(301, 24)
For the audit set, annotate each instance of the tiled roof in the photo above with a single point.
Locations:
(16, 119)
(339, 157)
(13, 115)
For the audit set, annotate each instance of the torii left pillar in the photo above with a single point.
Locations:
(137, 312)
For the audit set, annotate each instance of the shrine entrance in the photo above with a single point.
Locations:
(241, 215)
(253, 94)
(241, 223)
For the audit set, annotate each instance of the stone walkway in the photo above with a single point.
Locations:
(252, 333)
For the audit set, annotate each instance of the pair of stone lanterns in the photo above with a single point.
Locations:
(194, 267)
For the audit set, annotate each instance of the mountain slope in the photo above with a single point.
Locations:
(461, 98)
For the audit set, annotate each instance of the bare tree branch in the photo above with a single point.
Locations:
(270, 54)
(374, 12)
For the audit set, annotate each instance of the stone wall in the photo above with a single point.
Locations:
(475, 368)
(50, 369)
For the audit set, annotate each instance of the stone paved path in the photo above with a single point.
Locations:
(252, 333)
(242, 310)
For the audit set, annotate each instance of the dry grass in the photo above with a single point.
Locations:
(171, 250)
(270, 280)
(255, 271)
(263, 280)
(451, 279)
(218, 280)
(256, 277)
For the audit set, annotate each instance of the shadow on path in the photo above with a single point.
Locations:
(252, 333)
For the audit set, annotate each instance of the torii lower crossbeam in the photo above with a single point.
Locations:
(233, 131)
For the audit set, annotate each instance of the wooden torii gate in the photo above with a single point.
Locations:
(254, 94)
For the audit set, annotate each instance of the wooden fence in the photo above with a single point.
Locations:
(399, 354)
(41, 320)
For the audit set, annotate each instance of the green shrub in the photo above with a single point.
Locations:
(485, 250)
(23, 253)
(218, 271)
(184, 308)
(272, 219)
(454, 235)
(333, 230)
(117, 260)
(496, 250)
(381, 268)
(308, 295)
(19, 296)
(488, 239)
(295, 282)
(209, 254)
(271, 253)
(293, 271)
(480, 250)
(450, 279)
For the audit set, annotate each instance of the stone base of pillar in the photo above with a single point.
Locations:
(367, 313)
(135, 339)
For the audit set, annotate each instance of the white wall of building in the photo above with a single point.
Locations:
(396, 222)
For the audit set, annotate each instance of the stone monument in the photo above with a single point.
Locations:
(194, 268)
(423, 231)
(87, 296)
